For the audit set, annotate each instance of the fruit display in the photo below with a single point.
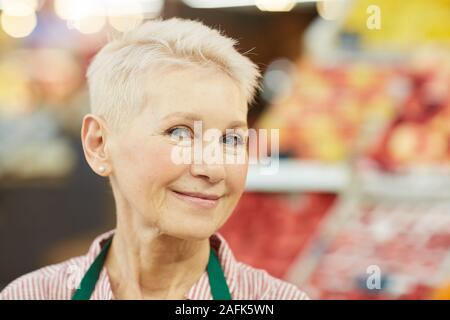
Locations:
(394, 114)
(269, 230)
(406, 243)
(419, 134)
(323, 116)
(394, 118)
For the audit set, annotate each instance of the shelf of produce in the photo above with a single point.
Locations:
(388, 237)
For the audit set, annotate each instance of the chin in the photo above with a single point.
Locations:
(192, 232)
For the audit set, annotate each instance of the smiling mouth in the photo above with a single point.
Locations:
(198, 199)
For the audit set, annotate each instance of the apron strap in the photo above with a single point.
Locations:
(89, 280)
(219, 286)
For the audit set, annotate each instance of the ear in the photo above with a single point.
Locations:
(94, 138)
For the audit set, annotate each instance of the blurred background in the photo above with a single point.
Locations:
(359, 90)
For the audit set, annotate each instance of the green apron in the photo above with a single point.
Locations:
(219, 287)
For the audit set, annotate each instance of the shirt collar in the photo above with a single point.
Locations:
(200, 290)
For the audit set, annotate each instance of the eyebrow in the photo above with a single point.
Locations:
(194, 117)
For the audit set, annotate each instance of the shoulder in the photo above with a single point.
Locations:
(258, 284)
(52, 282)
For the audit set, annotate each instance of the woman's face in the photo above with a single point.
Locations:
(191, 200)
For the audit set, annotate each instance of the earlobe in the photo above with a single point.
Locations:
(93, 137)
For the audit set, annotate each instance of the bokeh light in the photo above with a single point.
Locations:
(18, 19)
(330, 9)
(275, 5)
(88, 17)
(125, 16)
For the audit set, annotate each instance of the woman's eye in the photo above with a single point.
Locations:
(233, 140)
(180, 133)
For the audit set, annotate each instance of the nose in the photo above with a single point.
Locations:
(208, 159)
(214, 173)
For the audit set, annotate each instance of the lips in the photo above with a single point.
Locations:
(198, 199)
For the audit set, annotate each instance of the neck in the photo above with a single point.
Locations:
(145, 264)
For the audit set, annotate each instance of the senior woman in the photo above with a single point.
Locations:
(147, 90)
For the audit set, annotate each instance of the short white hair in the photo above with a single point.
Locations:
(118, 71)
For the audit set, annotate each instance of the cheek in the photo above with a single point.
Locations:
(236, 178)
(148, 165)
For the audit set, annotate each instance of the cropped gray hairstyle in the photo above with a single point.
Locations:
(117, 73)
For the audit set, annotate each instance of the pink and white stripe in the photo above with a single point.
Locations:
(58, 282)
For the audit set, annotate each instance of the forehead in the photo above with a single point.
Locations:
(204, 93)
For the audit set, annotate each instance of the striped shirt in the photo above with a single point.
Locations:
(59, 281)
